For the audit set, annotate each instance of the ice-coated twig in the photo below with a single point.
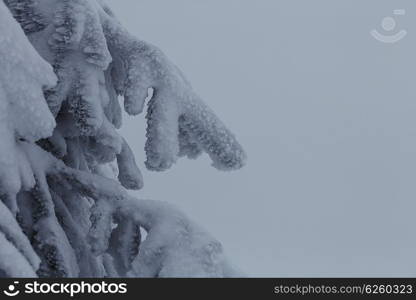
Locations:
(129, 173)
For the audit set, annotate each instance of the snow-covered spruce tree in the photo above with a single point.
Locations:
(64, 168)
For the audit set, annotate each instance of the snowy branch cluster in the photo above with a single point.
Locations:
(64, 168)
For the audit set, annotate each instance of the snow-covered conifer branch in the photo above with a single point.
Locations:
(64, 167)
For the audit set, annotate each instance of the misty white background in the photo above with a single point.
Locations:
(327, 115)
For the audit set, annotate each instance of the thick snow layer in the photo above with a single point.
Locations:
(95, 59)
(174, 246)
(174, 108)
(23, 110)
(12, 262)
(24, 74)
(64, 167)
(12, 231)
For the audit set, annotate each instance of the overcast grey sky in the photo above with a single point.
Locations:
(326, 114)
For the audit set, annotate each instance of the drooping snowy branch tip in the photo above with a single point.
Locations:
(64, 168)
